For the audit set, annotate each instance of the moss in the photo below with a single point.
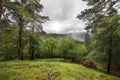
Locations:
(39, 69)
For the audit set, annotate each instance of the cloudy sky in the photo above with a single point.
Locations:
(62, 15)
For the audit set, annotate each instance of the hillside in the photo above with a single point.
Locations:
(49, 70)
(79, 36)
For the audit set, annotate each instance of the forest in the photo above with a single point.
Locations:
(27, 52)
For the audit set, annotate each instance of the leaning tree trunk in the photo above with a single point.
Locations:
(20, 49)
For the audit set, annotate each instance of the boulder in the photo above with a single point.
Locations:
(89, 64)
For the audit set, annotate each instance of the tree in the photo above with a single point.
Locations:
(100, 10)
(23, 12)
(35, 22)
(16, 10)
(113, 21)
(49, 46)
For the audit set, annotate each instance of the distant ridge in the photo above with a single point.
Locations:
(76, 36)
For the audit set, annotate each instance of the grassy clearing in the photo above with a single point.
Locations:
(43, 69)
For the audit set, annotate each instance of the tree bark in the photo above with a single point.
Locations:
(31, 51)
(87, 40)
(1, 8)
(21, 21)
(32, 48)
(7, 56)
(20, 49)
(110, 54)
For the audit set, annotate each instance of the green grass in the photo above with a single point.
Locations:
(39, 70)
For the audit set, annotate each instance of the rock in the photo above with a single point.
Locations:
(89, 64)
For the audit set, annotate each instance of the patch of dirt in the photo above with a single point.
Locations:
(38, 78)
(55, 75)
(43, 69)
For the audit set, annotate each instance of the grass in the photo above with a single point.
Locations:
(44, 69)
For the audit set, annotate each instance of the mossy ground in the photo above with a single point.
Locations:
(44, 69)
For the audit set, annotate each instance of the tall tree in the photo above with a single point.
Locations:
(19, 15)
(23, 13)
(21, 25)
(36, 22)
(98, 10)
(4, 23)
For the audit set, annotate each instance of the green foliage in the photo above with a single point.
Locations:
(101, 46)
(49, 46)
(8, 43)
(98, 55)
(72, 50)
(22, 12)
(45, 47)
(62, 48)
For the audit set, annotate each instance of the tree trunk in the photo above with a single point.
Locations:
(87, 40)
(31, 51)
(20, 49)
(7, 56)
(32, 48)
(21, 21)
(1, 8)
(110, 54)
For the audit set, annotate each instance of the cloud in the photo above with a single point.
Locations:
(62, 15)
